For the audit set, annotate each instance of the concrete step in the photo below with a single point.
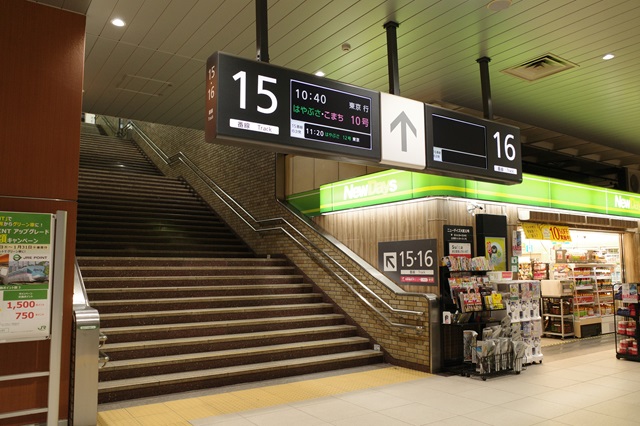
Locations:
(180, 271)
(229, 291)
(169, 364)
(132, 252)
(205, 280)
(179, 345)
(180, 261)
(213, 328)
(210, 307)
(90, 175)
(117, 390)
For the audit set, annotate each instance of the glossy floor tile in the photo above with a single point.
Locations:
(579, 382)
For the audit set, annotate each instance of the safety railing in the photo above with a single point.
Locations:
(86, 355)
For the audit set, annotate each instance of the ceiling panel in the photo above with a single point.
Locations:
(590, 111)
(146, 17)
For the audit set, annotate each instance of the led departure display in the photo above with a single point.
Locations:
(266, 106)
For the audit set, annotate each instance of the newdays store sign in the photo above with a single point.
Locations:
(395, 185)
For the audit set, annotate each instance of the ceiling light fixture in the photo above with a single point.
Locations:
(320, 74)
(118, 22)
(608, 56)
(497, 5)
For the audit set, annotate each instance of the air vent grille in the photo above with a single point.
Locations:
(540, 67)
(143, 85)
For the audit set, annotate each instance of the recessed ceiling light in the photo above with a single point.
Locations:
(118, 22)
(320, 74)
(608, 56)
(497, 5)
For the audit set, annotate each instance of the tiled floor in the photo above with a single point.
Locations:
(578, 383)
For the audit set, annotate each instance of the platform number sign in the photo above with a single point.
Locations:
(260, 105)
(410, 262)
(464, 145)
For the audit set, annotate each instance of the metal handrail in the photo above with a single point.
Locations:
(87, 357)
(217, 190)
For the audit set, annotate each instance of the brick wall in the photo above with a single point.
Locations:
(249, 176)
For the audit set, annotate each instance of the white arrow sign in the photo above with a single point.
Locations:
(402, 132)
(390, 262)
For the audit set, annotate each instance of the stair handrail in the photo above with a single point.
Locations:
(216, 190)
(87, 356)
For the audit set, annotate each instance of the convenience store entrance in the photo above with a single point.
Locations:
(579, 278)
(539, 256)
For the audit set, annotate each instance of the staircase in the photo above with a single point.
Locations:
(184, 302)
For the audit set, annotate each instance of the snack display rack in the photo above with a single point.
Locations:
(626, 316)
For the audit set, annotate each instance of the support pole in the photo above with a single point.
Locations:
(392, 55)
(486, 87)
(262, 31)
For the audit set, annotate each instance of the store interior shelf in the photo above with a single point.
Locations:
(626, 318)
(557, 310)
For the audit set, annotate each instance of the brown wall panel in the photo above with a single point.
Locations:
(26, 357)
(41, 103)
(19, 395)
(40, 106)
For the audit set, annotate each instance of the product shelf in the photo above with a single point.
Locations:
(592, 296)
(626, 318)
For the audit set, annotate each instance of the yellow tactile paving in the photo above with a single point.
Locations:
(147, 410)
(117, 418)
(226, 403)
(163, 419)
(301, 391)
(179, 412)
(192, 408)
(260, 398)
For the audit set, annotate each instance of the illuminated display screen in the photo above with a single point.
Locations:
(459, 142)
(326, 115)
(465, 146)
(252, 103)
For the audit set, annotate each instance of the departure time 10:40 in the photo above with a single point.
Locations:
(306, 95)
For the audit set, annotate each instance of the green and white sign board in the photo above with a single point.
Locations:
(26, 259)
(396, 185)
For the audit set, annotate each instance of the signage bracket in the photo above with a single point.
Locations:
(486, 87)
(392, 55)
(262, 31)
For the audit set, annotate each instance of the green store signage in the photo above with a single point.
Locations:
(395, 185)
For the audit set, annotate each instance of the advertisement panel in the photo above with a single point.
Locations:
(26, 263)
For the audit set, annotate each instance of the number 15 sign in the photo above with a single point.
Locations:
(255, 104)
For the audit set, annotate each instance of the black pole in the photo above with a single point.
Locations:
(392, 55)
(486, 87)
(262, 31)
